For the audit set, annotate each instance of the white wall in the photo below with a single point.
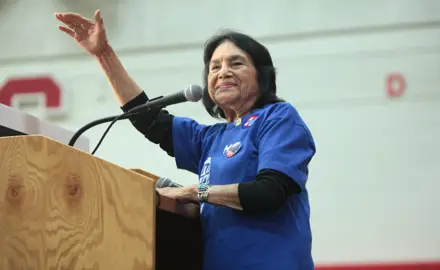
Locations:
(143, 25)
(375, 177)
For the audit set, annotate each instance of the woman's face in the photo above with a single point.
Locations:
(232, 77)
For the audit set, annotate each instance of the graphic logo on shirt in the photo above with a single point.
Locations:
(237, 121)
(206, 172)
(204, 177)
(232, 149)
(250, 121)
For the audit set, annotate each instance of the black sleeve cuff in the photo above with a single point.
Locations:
(155, 124)
(140, 99)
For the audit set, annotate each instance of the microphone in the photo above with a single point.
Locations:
(192, 93)
(166, 182)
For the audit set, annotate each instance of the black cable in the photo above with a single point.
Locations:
(108, 129)
(111, 119)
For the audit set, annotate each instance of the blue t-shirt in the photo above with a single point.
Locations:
(272, 137)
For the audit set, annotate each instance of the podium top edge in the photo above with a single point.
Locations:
(28, 124)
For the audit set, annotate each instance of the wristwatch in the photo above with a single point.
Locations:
(202, 192)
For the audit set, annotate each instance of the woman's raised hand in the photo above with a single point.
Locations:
(89, 34)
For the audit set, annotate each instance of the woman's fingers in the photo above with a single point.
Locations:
(67, 30)
(65, 20)
(98, 19)
(98, 15)
(58, 16)
(71, 18)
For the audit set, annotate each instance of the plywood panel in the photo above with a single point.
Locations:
(63, 209)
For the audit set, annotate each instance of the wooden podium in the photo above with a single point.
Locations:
(62, 208)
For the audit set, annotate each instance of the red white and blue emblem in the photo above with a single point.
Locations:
(250, 121)
(232, 149)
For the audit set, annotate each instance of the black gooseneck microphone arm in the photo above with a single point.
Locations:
(111, 119)
(95, 123)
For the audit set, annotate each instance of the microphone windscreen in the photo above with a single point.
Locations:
(193, 93)
(166, 182)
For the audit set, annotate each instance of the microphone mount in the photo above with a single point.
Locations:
(113, 120)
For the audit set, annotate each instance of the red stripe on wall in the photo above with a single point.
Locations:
(383, 266)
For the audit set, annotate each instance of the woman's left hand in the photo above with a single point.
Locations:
(187, 194)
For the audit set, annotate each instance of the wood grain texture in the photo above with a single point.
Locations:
(61, 208)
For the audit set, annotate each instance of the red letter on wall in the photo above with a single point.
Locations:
(43, 90)
(395, 85)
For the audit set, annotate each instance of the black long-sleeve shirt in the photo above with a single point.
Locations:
(268, 192)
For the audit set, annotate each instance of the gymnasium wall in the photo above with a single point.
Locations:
(364, 75)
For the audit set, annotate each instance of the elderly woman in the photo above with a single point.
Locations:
(252, 168)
